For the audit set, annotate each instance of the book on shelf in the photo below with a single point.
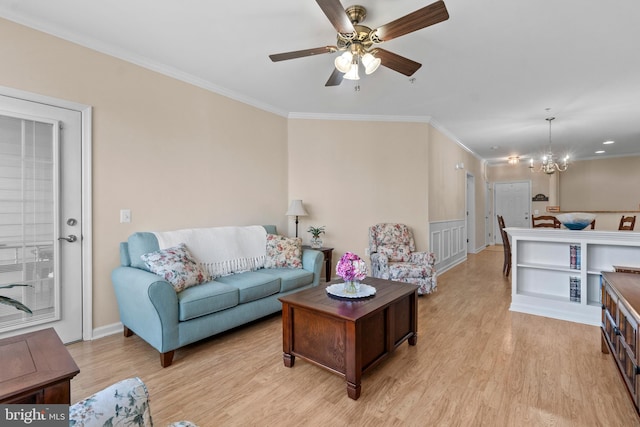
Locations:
(574, 289)
(574, 256)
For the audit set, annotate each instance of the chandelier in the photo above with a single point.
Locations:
(549, 164)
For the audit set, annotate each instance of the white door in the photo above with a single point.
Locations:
(513, 201)
(41, 218)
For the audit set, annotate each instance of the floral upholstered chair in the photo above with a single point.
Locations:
(394, 257)
(125, 403)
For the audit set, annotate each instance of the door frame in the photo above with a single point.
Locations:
(470, 212)
(87, 217)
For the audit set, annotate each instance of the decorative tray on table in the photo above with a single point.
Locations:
(337, 290)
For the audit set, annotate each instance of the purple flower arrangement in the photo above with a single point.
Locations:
(351, 267)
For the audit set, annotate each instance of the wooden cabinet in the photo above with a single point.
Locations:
(556, 272)
(620, 305)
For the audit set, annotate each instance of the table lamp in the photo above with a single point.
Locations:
(296, 209)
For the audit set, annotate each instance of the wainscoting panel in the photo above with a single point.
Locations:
(448, 242)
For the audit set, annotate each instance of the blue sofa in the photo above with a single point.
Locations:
(167, 320)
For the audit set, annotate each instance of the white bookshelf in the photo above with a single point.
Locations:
(541, 269)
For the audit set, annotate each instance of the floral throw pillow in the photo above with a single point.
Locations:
(177, 266)
(283, 252)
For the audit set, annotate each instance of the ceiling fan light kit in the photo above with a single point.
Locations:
(358, 42)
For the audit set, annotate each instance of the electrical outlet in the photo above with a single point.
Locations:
(125, 215)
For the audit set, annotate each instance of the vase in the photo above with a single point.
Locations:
(351, 286)
(316, 242)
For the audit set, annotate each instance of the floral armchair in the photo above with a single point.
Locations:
(394, 257)
(125, 403)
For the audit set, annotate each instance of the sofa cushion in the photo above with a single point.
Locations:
(252, 285)
(177, 266)
(290, 278)
(283, 252)
(207, 298)
(404, 270)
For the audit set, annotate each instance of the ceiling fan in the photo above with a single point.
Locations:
(359, 43)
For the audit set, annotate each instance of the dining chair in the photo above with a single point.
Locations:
(627, 223)
(506, 266)
(548, 221)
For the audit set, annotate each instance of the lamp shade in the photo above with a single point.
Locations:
(352, 74)
(343, 62)
(296, 209)
(370, 62)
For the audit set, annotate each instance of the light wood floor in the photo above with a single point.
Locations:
(475, 364)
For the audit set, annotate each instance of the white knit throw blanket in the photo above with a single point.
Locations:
(221, 250)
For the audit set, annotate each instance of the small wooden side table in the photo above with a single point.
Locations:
(327, 260)
(36, 369)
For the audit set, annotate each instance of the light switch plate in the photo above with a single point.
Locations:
(125, 215)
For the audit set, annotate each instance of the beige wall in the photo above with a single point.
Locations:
(447, 185)
(604, 185)
(180, 156)
(601, 185)
(176, 155)
(351, 175)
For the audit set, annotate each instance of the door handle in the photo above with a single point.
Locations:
(70, 238)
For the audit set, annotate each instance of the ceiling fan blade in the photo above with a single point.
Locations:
(396, 62)
(335, 79)
(337, 16)
(302, 53)
(421, 18)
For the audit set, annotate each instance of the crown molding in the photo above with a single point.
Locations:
(454, 138)
(140, 61)
(359, 117)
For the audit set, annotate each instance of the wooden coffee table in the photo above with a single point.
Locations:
(36, 369)
(349, 336)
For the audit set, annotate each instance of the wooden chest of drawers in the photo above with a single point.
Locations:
(620, 305)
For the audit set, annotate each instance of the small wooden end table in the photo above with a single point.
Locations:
(349, 337)
(36, 369)
(327, 259)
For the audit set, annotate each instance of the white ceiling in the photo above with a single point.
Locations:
(488, 73)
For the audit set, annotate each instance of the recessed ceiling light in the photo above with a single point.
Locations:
(608, 142)
(494, 147)
(600, 151)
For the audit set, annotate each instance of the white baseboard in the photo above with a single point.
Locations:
(449, 267)
(105, 331)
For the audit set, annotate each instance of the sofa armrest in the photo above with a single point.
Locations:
(423, 258)
(313, 261)
(148, 306)
(379, 265)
